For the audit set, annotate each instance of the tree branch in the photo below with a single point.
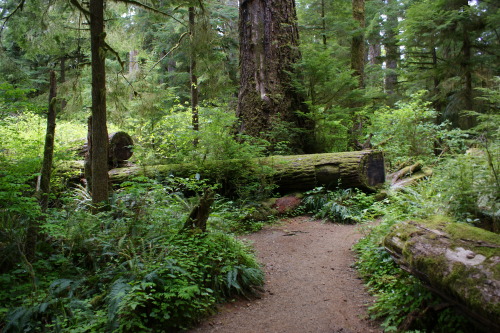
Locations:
(80, 7)
(154, 10)
(6, 18)
(175, 47)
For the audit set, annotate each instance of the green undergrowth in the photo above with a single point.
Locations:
(129, 269)
(346, 206)
(402, 303)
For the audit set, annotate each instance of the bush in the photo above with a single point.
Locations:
(410, 131)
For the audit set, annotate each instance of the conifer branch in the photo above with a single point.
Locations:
(80, 7)
(154, 10)
(175, 47)
(7, 18)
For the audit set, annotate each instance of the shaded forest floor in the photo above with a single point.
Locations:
(310, 284)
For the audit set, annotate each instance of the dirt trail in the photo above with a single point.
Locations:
(310, 285)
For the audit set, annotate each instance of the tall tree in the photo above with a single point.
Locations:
(358, 41)
(43, 190)
(192, 71)
(451, 48)
(391, 47)
(268, 51)
(99, 162)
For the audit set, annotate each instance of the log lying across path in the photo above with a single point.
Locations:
(459, 262)
(361, 169)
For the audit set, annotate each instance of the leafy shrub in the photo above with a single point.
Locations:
(410, 131)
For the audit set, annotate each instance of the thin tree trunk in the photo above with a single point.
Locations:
(323, 21)
(391, 49)
(100, 191)
(62, 79)
(43, 191)
(467, 121)
(193, 77)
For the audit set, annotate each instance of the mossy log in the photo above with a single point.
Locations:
(458, 262)
(360, 169)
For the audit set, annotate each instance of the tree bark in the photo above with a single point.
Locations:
(193, 78)
(198, 217)
(358, 42)
(269, 41)
(458, 262)
(391, 49)
(99, 163)
(361, 169)
(43, 191)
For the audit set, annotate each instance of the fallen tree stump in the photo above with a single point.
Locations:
(360, 169)
(458, 262)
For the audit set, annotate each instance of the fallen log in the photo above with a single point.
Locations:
(458, 262)
(360, 169)
(120, 148)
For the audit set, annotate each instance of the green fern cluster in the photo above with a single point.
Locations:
(341, 206)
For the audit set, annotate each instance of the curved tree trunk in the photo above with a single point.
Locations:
(269, 41)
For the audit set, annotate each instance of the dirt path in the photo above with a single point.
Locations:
(310, 285)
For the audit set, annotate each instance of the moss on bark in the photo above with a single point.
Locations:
(459, 262)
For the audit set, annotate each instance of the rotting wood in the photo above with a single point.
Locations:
(458, 262)
(360, 169)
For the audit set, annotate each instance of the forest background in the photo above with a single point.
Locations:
(417, 79)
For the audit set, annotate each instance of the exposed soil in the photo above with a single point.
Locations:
(310, 284)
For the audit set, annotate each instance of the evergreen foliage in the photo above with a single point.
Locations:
(130, 268)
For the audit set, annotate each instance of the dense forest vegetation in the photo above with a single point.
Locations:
(205, 82)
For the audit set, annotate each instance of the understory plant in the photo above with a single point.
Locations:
(402, 302)
(342, 205)
(132, 268)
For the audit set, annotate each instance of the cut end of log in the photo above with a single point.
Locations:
(374, 169)
(120, 147)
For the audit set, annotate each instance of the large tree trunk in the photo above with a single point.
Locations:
(358, 41)
(361, 169)
(99, 163)
(457, 261)
(268, 51)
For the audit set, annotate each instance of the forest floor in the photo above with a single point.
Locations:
(310, 283)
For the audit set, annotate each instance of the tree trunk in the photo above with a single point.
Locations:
(456, 261)
(323, 22)
(193, 78)
(361, 169)
(391, 49)
(268, 51)
(43, 191)
(198, 217)
(358, 41)
(99, 163)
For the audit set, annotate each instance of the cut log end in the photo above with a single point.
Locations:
(120, 147)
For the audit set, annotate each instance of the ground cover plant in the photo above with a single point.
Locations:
(128, 269)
